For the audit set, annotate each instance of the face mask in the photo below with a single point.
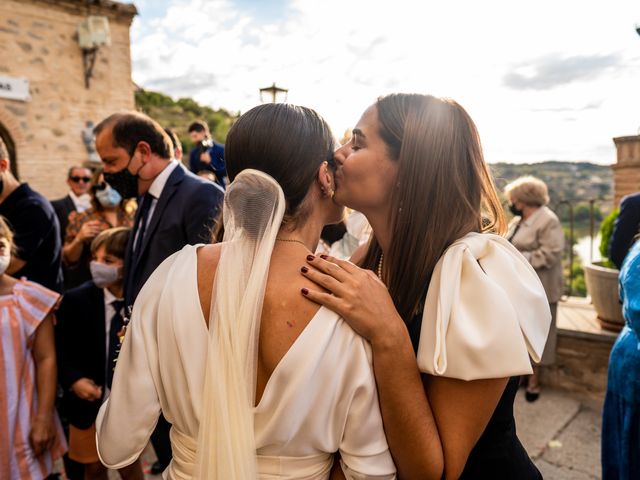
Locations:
(4, 263)
(515, 210)
(125, 182)
(108, 197)
(104, 275)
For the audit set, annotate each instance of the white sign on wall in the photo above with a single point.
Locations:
(14, 88)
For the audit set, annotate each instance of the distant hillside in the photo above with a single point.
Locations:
(178, 115)
(576, 182)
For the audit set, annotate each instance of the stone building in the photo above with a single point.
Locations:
(626, 171)
(45, 102)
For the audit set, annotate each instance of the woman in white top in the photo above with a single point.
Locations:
(257, 381)
(465, 303)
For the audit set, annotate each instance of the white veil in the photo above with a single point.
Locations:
(254, 206)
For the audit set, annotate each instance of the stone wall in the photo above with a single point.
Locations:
(582, 360)
(626, 172)
(38, 40)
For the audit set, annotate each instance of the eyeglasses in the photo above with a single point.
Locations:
(75, 179)
(99, 186)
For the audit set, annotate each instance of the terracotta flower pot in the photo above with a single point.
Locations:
(602, 285)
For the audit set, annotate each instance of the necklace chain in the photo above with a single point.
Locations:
(380, 266)
(293, 240)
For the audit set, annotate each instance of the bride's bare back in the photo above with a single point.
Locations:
(285, 312)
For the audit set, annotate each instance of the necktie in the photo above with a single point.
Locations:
(141, 226)
(114, 341)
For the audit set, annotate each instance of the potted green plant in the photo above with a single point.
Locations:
(602, 281)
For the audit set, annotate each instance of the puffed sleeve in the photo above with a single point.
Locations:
(364, 451)
(35, 302)
(129, 416)
(485, 313)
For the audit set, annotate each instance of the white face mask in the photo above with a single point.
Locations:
(4, 263)
(104, 275)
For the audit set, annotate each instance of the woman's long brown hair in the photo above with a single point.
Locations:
(444, 190)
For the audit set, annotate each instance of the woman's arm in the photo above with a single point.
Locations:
(550, 246)
(73, 246)
(42, 434)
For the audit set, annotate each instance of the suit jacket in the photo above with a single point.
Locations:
(625, 228)
(81, 349)
(63, 207)
(184, 214)
(541, 240)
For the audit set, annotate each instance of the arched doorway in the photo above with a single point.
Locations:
(11, 147)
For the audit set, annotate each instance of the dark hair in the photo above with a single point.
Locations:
(76, 167)
(131, 128)
(175, 141)
(285, 141)
(199, 126)
(114, 241)
(444, 191)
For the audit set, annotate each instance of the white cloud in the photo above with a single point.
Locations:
(337, 57)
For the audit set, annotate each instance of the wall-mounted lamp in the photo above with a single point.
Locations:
(93, 32)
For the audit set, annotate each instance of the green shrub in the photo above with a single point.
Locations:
(606, 230)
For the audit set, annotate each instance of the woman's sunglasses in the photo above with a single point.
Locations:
(99, 186)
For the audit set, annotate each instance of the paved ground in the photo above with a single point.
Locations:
(560, 431)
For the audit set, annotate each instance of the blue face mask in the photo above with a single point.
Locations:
(108, 197)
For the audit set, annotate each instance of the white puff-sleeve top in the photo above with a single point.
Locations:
(485, 314)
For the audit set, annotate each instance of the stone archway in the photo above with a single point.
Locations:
(13, 138)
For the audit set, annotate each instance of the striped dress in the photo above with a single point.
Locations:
(20, 315)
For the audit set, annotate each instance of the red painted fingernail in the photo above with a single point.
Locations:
(304, 269)
(324, 257)
(305, 291)
(310, 258)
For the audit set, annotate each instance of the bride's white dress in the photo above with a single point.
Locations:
(321, 398)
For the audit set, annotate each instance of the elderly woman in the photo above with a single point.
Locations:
(536, 232)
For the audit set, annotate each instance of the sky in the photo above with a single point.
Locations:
(544, 80)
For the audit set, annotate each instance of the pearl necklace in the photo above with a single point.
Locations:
(380, 266)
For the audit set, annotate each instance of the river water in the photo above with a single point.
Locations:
(582, 248)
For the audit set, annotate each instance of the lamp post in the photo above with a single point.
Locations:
(277, 94)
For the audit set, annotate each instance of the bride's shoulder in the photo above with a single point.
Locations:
(209, 254)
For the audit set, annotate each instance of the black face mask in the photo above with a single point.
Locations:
(123, 181)
(515, 210)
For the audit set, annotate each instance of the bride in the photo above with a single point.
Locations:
(257, 381)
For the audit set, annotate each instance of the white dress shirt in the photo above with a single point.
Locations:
(155, 190)
(82, 202)
(109, 312)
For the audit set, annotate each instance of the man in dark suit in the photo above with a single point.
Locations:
(78, 198)
(175, 208)
(625, 229)
(88, 322)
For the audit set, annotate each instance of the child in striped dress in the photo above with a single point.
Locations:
(31, 437)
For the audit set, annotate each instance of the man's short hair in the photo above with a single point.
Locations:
(131, 128)
(199, 126)
(76, 167)
(4, 151)
(114, 240)
(175, 141)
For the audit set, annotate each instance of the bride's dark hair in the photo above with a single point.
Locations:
(286, 141)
